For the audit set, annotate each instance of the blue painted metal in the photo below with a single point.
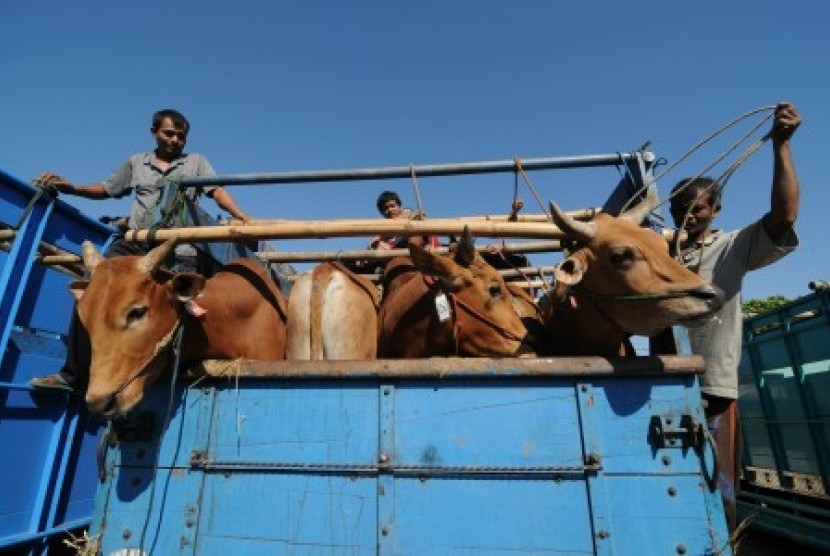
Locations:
(386, 465)
(785, 412)
(48, 482)
(421, 171)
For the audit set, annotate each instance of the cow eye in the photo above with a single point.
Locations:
(136, 313)
(494, 290)
(623, 258)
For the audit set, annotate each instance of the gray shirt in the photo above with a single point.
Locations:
(726, 258)
(141, 174)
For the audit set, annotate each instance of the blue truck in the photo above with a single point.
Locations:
(785, 412)
(439, 456)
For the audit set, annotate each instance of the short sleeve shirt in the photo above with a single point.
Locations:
(724, 258)
(142, 175)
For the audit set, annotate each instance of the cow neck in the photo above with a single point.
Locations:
(433, 285)
(580, 303)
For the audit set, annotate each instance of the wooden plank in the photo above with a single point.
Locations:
(446, 367)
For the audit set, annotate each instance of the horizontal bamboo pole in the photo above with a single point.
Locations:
(323, 229)
(374, 255)
(532, 284)
(505, 272)
(48, 254)
(582, 214)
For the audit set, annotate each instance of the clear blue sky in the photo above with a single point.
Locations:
(284, 86)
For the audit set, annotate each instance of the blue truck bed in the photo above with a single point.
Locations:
(564, 456)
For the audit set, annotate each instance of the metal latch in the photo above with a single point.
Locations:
(672, 431)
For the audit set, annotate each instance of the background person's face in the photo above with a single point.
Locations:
(391, 209)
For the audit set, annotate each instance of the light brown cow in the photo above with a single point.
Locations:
(619, 280)
(332, 314)
(132, 310)
(476, 318)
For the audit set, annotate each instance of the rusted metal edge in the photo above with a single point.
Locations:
(453, 367)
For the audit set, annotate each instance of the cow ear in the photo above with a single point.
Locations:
(570, 271)
(186, 285)
(442, 268)
(77, 288)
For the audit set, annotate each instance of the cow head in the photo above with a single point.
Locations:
(130, 309)
(483, 321)
(622, 275)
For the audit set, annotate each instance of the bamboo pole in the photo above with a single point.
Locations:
(323, 229)
(582, 214)
(504, 272)
(371, 254)
(48, 254)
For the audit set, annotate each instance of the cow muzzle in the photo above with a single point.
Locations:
(105, 406)
(711, 294)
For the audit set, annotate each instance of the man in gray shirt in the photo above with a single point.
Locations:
(724, 258)
(145, 174)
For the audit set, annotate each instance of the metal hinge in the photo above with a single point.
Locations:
(672, 431)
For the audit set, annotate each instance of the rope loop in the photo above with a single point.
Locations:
(519, 170)
(421, 212)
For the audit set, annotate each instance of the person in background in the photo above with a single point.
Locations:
(148, 176)
(390, 206)
(725, 258)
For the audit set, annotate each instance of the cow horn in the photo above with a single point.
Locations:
(90, 255)
(638, 213)
(582, 232)
(150, 262)
(465, 252)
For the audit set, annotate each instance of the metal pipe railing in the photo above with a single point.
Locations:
(422, 170)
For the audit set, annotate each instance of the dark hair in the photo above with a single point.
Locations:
(385, 197)
(175, 116)
(686, 186)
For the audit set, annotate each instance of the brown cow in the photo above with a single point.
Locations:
(132, 310)
(477, 317)
(620, 280)
(332, 314)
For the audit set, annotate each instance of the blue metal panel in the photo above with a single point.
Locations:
(642, 482)
(785, 413)
(49, 484)
(534, 501)
(450, 466)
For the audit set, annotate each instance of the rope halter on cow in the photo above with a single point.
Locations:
(433, 285)
(170, 344)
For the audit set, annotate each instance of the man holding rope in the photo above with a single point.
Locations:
(724, 258)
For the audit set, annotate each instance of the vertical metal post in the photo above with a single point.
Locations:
(15, 273)
(592, 453)
(386, 481)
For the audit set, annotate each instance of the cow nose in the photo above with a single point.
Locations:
(101, 406)
(712, 294)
